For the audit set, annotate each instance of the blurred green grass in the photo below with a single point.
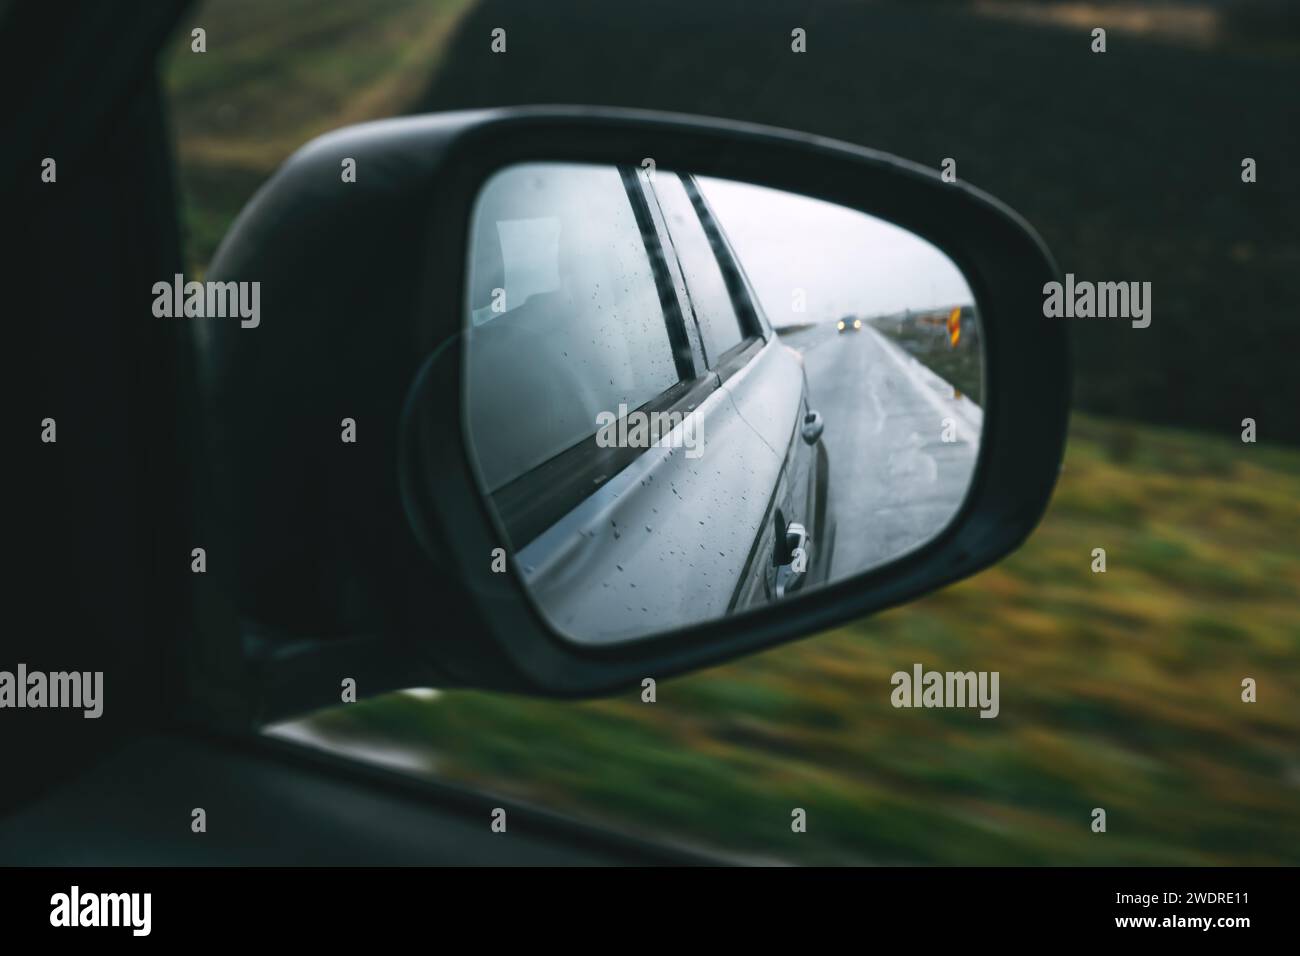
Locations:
(961, 365)
(1119, 690)
(276, 75)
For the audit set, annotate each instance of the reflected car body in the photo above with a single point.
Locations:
(635, 310)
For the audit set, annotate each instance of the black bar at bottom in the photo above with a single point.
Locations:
(333, 906)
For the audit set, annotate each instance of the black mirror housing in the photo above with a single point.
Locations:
(375, 557)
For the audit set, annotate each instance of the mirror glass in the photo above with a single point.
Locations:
(688, 397)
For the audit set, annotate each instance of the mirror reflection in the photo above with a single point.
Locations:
(687, 397)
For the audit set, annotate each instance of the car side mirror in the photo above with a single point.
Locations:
(628, 394)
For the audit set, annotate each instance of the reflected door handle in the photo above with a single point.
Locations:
(790, 573)
(812, 427)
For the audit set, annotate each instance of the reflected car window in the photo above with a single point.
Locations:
(565, 317)
(719, 325)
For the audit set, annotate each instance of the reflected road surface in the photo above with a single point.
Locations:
(895, 483)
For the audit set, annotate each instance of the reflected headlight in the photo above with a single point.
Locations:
(857, 323)
(840, 326)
